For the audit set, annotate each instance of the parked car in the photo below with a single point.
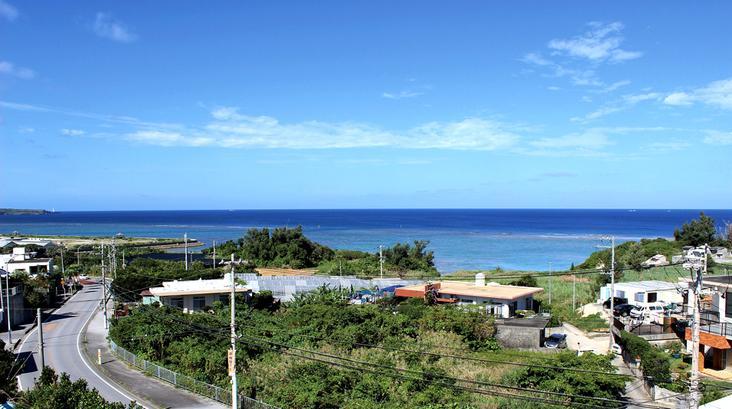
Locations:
(623, 310)
(556, 341)
(674, 308)
(650, 313)
(618, 301)
(616, 349)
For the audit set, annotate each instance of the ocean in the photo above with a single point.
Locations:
(513, 239)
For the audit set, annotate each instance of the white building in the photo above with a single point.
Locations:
(656, 261)
(194, 295)
(644, 292)
(498, 299)
(21, 260)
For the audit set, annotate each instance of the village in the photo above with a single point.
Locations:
(657, 311)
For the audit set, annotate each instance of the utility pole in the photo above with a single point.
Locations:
(700, 266)
(551, 283)
(381, 260)
(104, 290)
(185, 239)
(612, 287)
(214, 254)
(40, 339)
(78, 259)
(7, 303)
(232, 352)
(63, 273)
(574, 292)
(123, 259)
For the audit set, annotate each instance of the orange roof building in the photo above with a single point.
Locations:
(498, 299)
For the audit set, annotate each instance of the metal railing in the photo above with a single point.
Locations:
(186, 382)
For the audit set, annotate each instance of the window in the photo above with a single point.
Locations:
(620, 294)
(199, 303)
(224, 298)
(176, 302)
(639, 297)
(652, 297)
(728, 304)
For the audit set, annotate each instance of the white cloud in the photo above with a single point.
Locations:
(231, 129)
(614, 86)
(7, 11)
(717, 93)
(9, 68)
(107, 27)
(72, 132)
(536, 59)
(591, 139)
(669, 145)
(26, 129)
(600, 43)
(627, 101)
(718, 138)
(553, 88)
(401, 94)
(678, 98)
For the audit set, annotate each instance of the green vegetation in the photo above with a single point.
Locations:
(281, 247)
(16, 212)
(697, 232)
(290, 248)
(52, 391)
(655, 363)
(568, 382)
(364, 351)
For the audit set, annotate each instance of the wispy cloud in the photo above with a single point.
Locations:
(7, 11)
(106, 26)
(72, 132)
(625, 102)
(717, 93)
(9, 68)
(577, 58)
(674, 145)
(231, 129)
(600, 43)
(718, 138)
(401, 94)
(26, 129)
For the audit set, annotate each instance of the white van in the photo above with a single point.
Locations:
(649, 313)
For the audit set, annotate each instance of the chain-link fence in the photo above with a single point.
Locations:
(186, 382)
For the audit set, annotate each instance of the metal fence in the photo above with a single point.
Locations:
(186, 382)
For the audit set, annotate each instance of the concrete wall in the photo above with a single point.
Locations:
(208, 300)
(520, 337)
(18, 313)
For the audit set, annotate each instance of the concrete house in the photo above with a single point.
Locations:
(497, 299)
(22, 260)
(716, 324)
(193, 295)
(644, 292)
(656, 261)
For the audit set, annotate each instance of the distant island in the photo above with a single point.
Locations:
(15, 212)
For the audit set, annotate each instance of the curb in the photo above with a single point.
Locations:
(105, 374)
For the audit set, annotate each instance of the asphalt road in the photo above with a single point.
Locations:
(61, 336)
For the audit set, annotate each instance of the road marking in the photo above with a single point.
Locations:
(78, 349)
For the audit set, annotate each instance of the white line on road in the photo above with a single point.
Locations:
(78, 349)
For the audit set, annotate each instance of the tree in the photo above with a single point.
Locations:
(634, 256)
(52, 391)
(526, 280)
(8, 385)
(696, 232)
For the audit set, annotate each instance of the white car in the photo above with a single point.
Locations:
(650, 313)
(616, 349)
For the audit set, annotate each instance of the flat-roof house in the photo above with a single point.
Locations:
(193, 295)
(644, 292)
(715, 332)
(498, 299)
(21, 260)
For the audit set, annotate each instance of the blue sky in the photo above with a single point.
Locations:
(218, 105)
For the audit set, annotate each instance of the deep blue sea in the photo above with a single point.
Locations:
(513, 239)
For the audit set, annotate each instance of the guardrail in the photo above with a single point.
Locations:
(186, 382)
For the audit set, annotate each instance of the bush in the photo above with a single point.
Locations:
(655, 363)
